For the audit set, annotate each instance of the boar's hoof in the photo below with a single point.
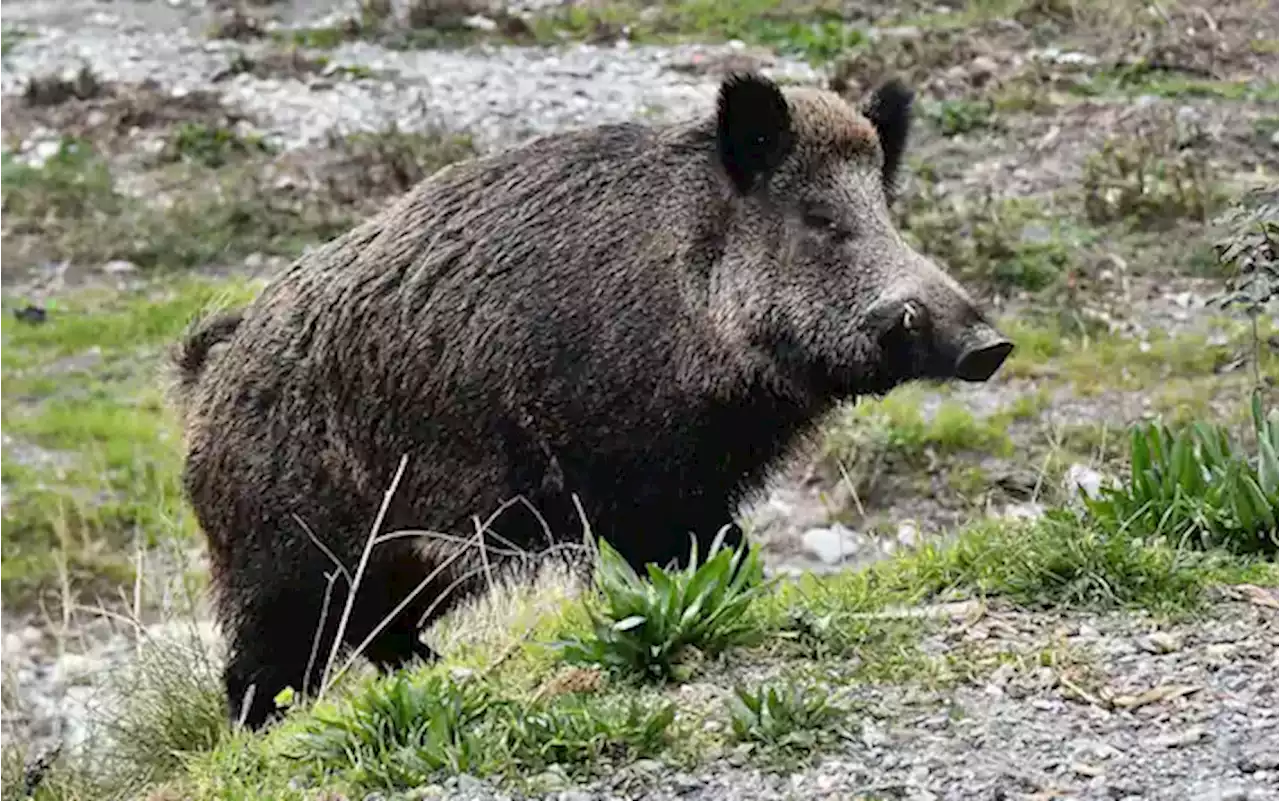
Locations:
(980, 363)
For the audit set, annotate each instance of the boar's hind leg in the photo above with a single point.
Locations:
(274, 638)
(387, 583)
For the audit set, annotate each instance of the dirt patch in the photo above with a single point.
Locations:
(114, 114)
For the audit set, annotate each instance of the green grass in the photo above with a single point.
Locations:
(896, 426)
(388, 733)
(10, 38)
(788, 722)
(211, 146)
(1140, 80)
(111, 477)
(69, 208)
(998, 245)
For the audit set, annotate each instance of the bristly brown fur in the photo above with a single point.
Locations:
(630, 323)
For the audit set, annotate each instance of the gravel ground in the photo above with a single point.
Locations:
(1021, 736)
(1141, 712)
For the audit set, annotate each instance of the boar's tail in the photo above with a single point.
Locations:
(192, 351)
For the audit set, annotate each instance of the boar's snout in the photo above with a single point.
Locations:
(983, 355)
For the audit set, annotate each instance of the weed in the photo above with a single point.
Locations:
(52, 90)
(167, 705)
(956, 117)
(72, 183)
(1150, 180)
(10, 38)
(1199, 485)
(896, 427)
(1249, 251)
(1064, 560)
(790, 718)
(401, 731)
(397, 732)
(69, 208)
(443, 14)
(1005, 244)
(211, 146)
(381, 164)
(647, 628)
(584, 732)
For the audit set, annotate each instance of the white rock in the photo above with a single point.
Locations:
(119, 267)
(1023, 511)
(1082, 478)
(480, 23)
(908, 534)
(831, 545)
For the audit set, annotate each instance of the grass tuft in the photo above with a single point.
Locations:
(792, 719)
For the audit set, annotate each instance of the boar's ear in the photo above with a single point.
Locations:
(753, 128)
(889, 111)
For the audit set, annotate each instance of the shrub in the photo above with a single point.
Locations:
(1200, 485)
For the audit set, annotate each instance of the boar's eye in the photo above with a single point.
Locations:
(821, 218)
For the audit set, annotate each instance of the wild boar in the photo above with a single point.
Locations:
(640, 319)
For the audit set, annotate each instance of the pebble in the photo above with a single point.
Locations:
(830, 545)
(1082, 478)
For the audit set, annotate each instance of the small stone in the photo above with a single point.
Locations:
(908, 534)
(1191, 736)
(461, 674)
(873, 736)
(1124, 788)
(31, 636)
(1159, 642)
(1088, 632)
(1023, 511)
(480, 22)
(1232, 792)
(830, 545)
(982, 68)
(1254, 761)
(550, 781)
(119, 267)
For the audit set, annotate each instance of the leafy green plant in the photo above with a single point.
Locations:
(1250, 252)
(398, 732)
(789, 718)
(1201, 485)
(580, 731)
(955, 117)
(649, 627)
